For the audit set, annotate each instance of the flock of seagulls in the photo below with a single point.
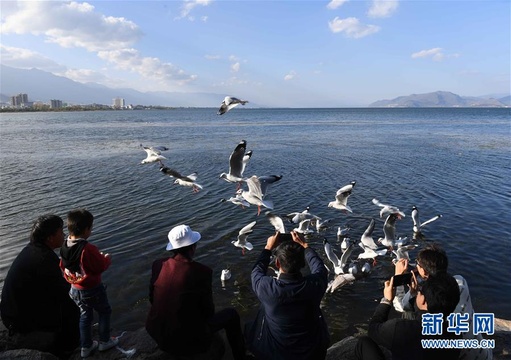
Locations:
(350, 264)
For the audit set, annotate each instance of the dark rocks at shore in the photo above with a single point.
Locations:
(136, 345)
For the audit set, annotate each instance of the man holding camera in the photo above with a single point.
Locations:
(289, 324)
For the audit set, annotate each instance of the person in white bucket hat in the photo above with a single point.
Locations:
(182, 317)
(181, 236)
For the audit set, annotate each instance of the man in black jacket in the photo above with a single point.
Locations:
(289, 324)
(439, 294)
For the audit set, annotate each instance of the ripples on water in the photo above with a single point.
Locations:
(450, 161)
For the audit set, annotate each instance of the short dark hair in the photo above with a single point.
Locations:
(433, 260)
(78, 221)
(442, 293)
(44, 227)
(291, 256)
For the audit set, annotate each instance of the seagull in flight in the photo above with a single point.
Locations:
(417, 225)
(237, 200)
(237, 163)
(228, 103)
(341, 198)
(367, 237)
(389, 231)
(242, 242)
(277, 222)
(298, 217)
(386, 210)
(182, 180)
(257, 188)
(153, 154)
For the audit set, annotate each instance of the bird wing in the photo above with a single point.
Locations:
(236, 159)
(266, 181)
(247, 229)
(330, 254)
(171, 172)
(389, 228)
(367, 236)
(277, 222)
(192, 177)
(254, 187)
(346, 255)
(244, 163)
(339, 281)
(434, 218)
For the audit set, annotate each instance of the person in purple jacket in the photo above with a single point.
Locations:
(289, 324)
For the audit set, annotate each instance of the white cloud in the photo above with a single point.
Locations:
(153, 68)
(334, 4)
(436, 54)
(235, 67)
(382, 8)
(291, 75)
(71, 25)
(28, 59)
(86, 75)
(189, 5)
(352, 27)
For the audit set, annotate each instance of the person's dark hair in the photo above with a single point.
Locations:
(185, 250)
(442, 293)
(433, 260)
(291, 256)
(44, 227)
(78, 221)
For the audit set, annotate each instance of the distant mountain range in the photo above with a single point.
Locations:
(442, 99)
(44, 86)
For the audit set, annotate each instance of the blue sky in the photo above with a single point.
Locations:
(272, 53)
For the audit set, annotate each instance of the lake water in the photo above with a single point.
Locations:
(456, 162)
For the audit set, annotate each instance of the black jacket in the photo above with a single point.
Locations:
(289, 324)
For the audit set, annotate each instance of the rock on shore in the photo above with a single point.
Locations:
(136, 345)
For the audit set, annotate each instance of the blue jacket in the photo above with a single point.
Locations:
(289, 324)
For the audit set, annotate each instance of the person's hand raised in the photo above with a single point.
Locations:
(297, 238)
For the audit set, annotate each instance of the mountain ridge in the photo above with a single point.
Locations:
(441, 99)
(44, 86)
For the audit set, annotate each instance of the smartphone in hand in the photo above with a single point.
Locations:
(403, 279)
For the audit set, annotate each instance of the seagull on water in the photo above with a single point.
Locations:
(339, 281)
(153, 154)
(341, 198)
(228, 103)
(242, 242)
(182, 180)
(257, 188)
(237, 163)
(304, 227)
(386, 210)
(417, 225)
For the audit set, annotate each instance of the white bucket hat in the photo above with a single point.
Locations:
(181, 236)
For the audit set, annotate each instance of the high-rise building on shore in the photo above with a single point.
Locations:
(55, 104)
(119, 103)
(20, 100)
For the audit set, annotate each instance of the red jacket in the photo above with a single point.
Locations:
(181, 299)
(91, 264)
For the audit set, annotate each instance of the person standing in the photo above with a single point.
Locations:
(35, 306)
(182, 317)
(289, 324)
(82, 264)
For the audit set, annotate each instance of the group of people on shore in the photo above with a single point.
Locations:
(47, 303)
